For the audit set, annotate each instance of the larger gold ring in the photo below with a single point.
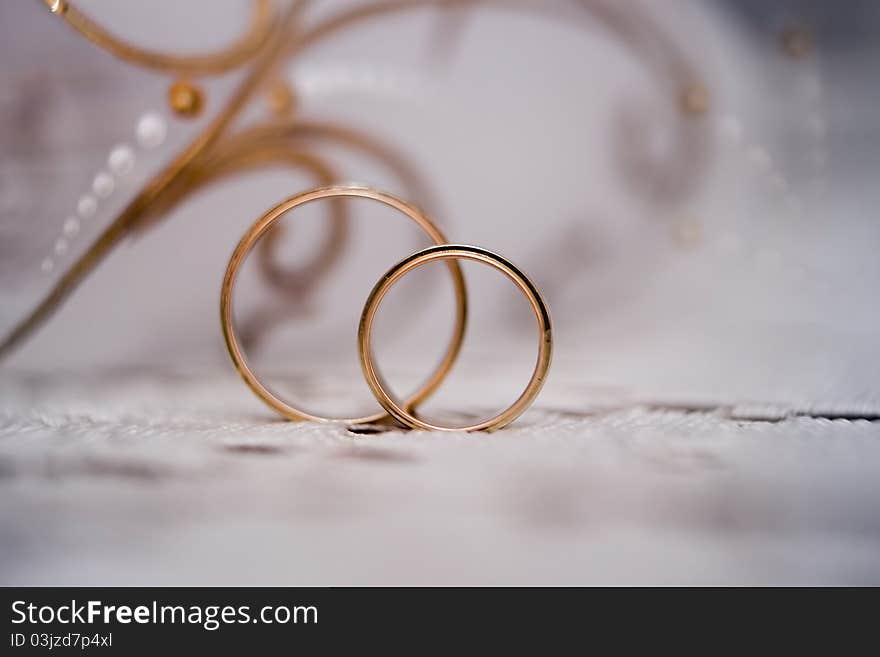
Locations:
(403, 412)
(262, 225)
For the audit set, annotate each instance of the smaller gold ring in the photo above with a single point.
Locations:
(454, 252)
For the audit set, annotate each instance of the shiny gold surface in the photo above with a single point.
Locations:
(186, 98)
(218, 62)
(405, 413)
(262, 226)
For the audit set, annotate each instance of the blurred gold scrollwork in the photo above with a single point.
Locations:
(278, 32)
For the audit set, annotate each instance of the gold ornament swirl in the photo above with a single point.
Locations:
(276, 36)
(224, 60)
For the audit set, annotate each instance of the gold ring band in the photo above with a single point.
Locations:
(403, 412)
(262, 225)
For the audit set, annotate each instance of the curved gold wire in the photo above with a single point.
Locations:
(404, 413)
(265, 223)
(313, 132)
(297, 283)
(266, 138)
(645, 36)
(301, 138)
(142, 211)
(226, 59)
(299, 133)
(271, 40)
(668, 181)
(293, 280)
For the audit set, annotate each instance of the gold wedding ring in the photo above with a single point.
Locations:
(261, 226)
(404, 412)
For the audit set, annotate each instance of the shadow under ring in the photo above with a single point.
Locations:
(259, 229)
(404, 413)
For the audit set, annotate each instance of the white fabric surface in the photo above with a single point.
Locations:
(140, 478)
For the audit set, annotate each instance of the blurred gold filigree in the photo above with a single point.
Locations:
(276, 34)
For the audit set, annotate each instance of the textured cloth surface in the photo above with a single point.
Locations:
(136, 478)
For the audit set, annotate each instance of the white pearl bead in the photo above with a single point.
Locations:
(71, 226)
(47, 265)
(87, 206)
(61, 246)
(121, 159)
(151, 130)
(103, 184)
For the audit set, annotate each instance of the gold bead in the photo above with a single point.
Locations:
(687, 232)
(56, 6)
(694, 99)
(281, 99)
(186, 98)
(797, 42)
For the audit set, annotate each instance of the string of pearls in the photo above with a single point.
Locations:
(150, 132)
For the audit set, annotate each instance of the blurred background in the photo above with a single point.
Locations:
(691, 186)
(691, 183)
